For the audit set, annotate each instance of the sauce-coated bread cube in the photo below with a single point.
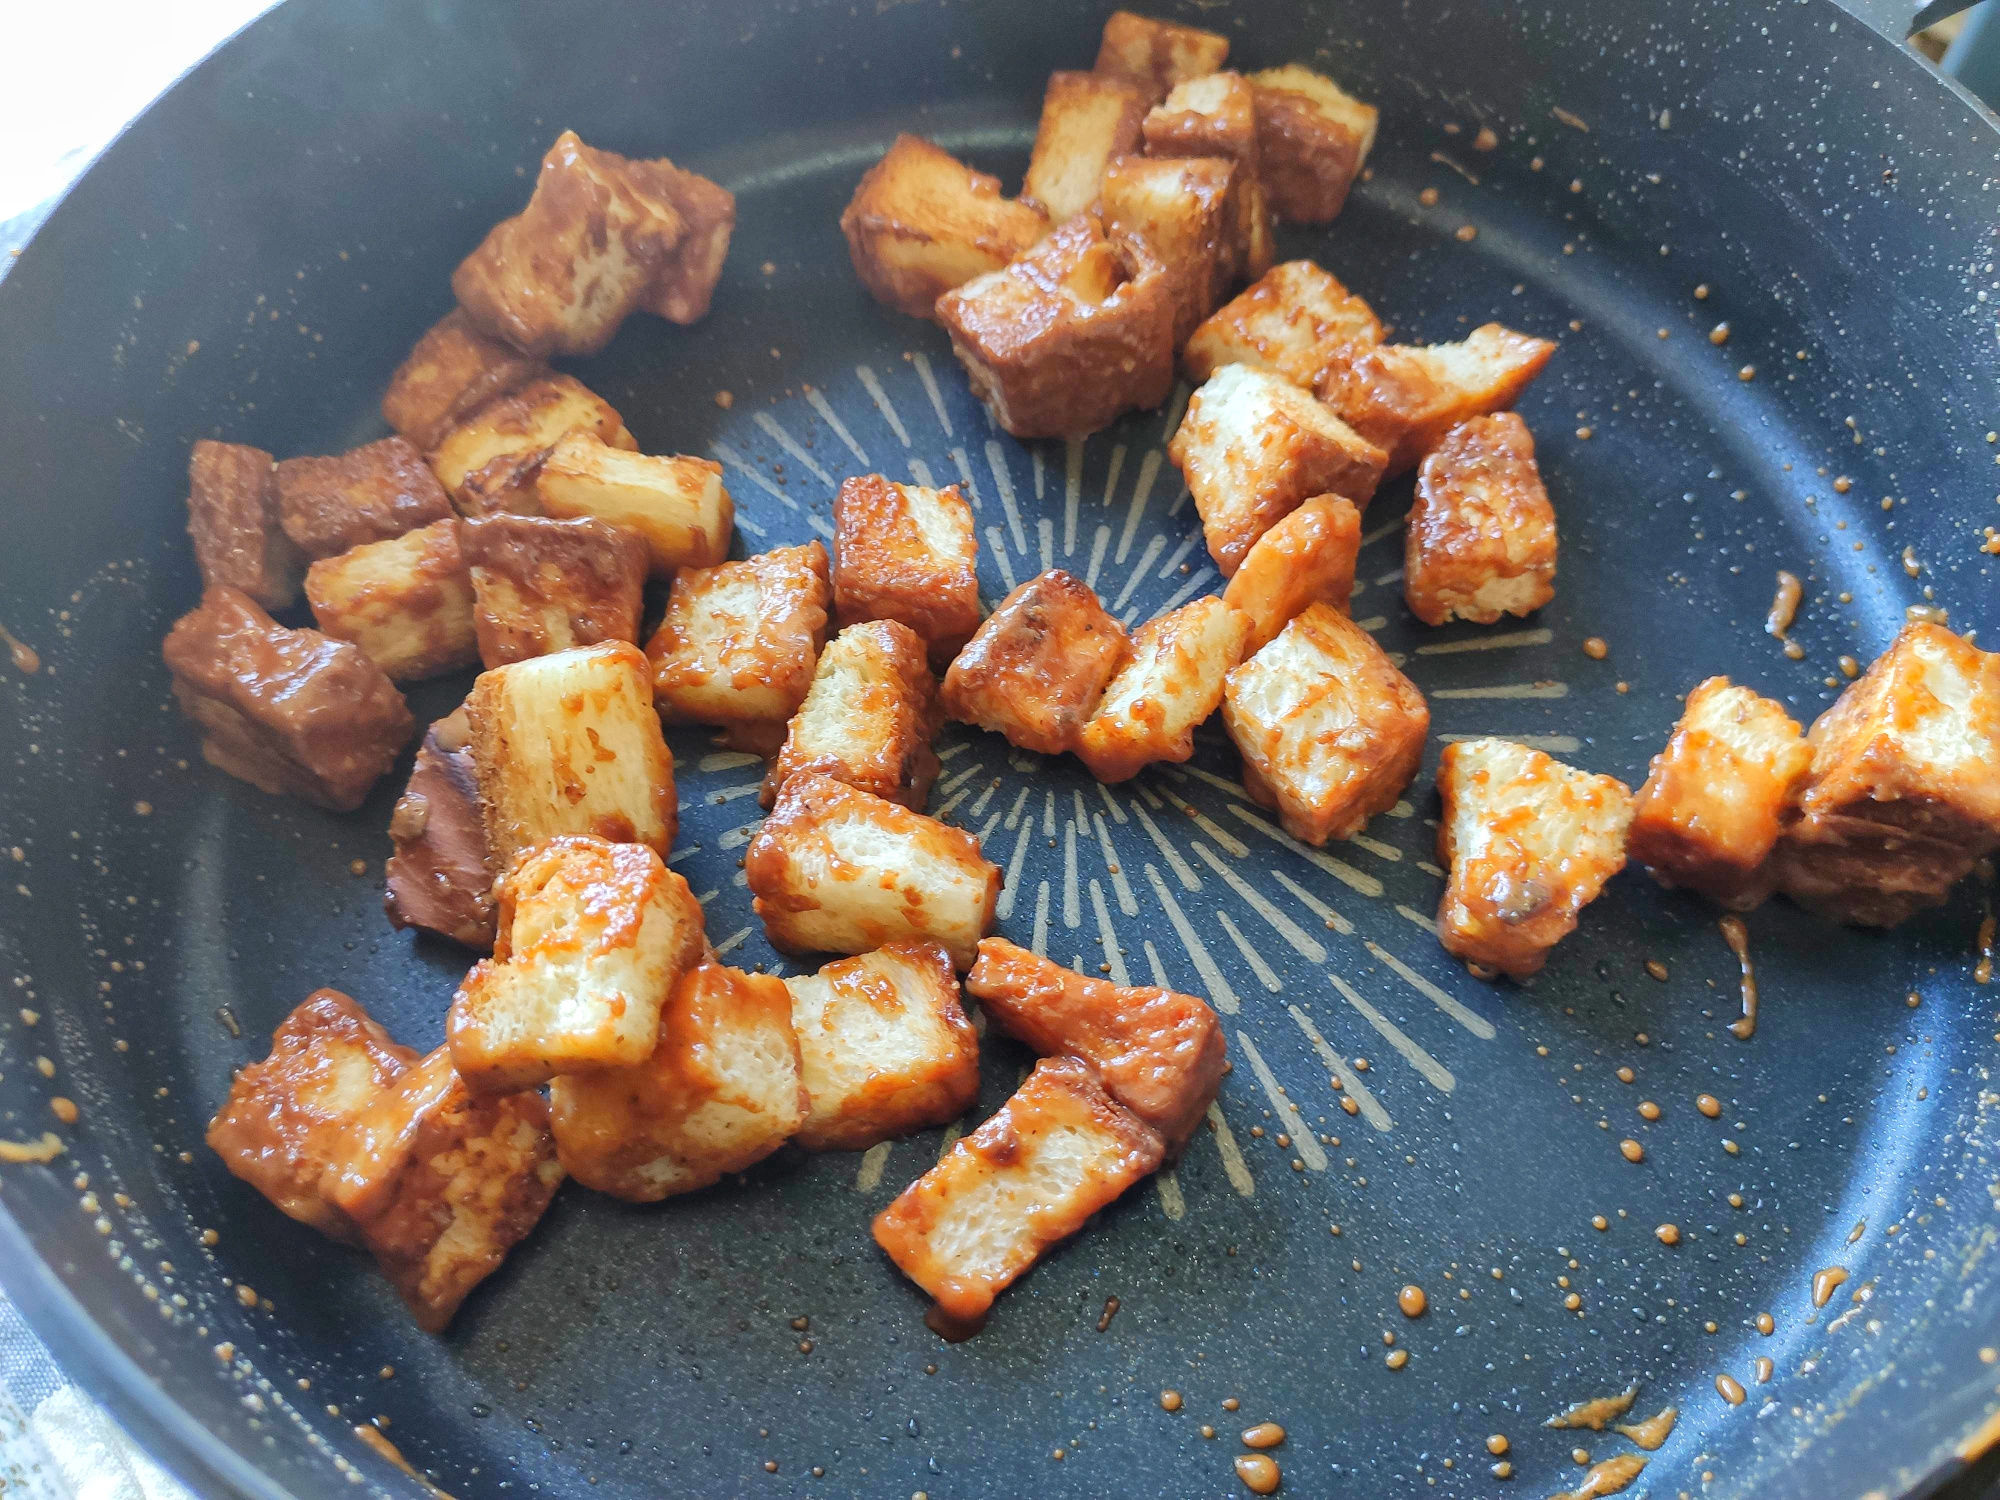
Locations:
(906, 553)
(1307, 558)
(233, 519)
(884, 1045)
(868, 717)
(677, 504)
(1171, 682)
(683, 287)
(1313, 139)
(1405, 397)
(441, 876)
(492, 461)
(452, 372)
(406, 601)
(1527, 842)
(1157, 55)
(1087, 119)
(1214, 115)
(1481, 540)
(1039, 666)
(1184, 212)
(540, 584)
(372, 493)
(1293, 322)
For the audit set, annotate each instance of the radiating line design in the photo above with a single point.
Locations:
(1262, 970)
(1182, 871)
(1498, 642)
(1374, 846)
(1036, 465)
(1222, 836)
(1072, 908)
(819, 524)
(997, 545)
(1039, 943)
(1429, 924)
(1349, 1081)
(1045, 530)
(1313, 904)
(1117, 812)
(950, 806)
(1108, 936)
(751, 526)
(1138, 574)
(1372, 623)
(873, 1160)
(1153, 962)
(817, 398)
(727, 760)
(996, 460)
(1555, 744)
(740, 835)
(985, 797)
(1340, 870)
(1471, 1020)
(987, 832)
(1219, 991)
(964, 466)
(1434, 1072)
(1179, 554)
(737, 461)
(881, 399)
(1072, 489)
(1302, 942)
(1176, 405)
(1220, 783)
(1115, 868)
(1011, 886)
(921, 472)
(1304, 1141)
(1234, 1167)
(1187, 590)
(952, 750)
(1173, 1203)
(1391, 576)
(686, 851)
(1142, 491)
(1370, 538)
(1014, 812)
(1402, 809)
(731, 793)
(959, 778)
(1048, 814)
(924, 373)
(1097, 545)
(1430, 869)
(1506, 690)
(1111, 473)
(734, 940)
(707, 896)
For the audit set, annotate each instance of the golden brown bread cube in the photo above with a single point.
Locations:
(1087, 119)
(233, 519)
(1293, 322)
(286, 1116)
(374, 492)
(1313, 139)
(570, 743)
(1214, 115)
(492, 461)
(292, 712)
(677, 504)
(868, 717)
(406, 601)
(1481, 540)
(1157, 55)
(921, 222)
(1307, 558)
(441, 876)
(884, 1046)
(452, 372)
(1528, 842)
(906, 553)
(1170, 683)
(684, 286)
(593, 937)
(719, 1094)
(1253, 448)
(838, 870)
(443, 1183)
(1058, 1151)
(540, 584)
(1716, 797)
(1406, 397)
(1157, 1052)
(1039, 666)
(1072, 334)
(1329, 730)
(1184, 212)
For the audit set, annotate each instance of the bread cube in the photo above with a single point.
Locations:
(1087, 119)
(1158, 1053)
(684, 285)
(452, 372)
(740, 640)
(835, 869)
(542, 585)
(922, 222)
(1072, 334)
(233, 519)
(1157, 55)
(443, 1183)
(285, 1116)
(909, 554)
(1712, 806)
(492, 460)
(1406, 397)
(292, 712)
(719, 1094)
(406, 601)
(678, 505)
(1307, 558)
(1528, 843)
(1253, 448)
(1030, 1177)
(884, 1045)
(1295, 321)
(1214, 115)
(1313, 139)
(441, 876)
(1481, 540)
(868, 717)
(570, 743)
(1329, 730)
(1185, 213)
(1038, 667)
(1170, 683)
(377, 491)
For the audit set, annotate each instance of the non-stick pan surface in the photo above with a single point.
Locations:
(253, 258)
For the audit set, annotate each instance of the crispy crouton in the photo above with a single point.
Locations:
(292, 712)
(683, 287)
(1170, 683)
(377, 491)
(1329, 730)
(233, 519)
(1253, 448)
(570, 743)
(677, 504)
(441, 875)
(719, 1094)
(285, 1116)
(1157, 1052)
(1481, 540)
(1157, 55)
(1528, 843)
(493, 459)
(838, 870)
(443, 1183)
(1214, 115)
(542, 585)
(1184, 212)
(1313, 139)
(1031, 1176)
(909, 554)
(921, 222)
(868, 718)
(1038, 667)
(1306, 558)
(1087, 119)
(1406, 397)
(452, 372)
(1710, 811)
(884, 1045)
(406, 601)
(1293, 322)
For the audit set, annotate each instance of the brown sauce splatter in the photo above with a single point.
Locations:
(1785, 609)
(1259, 1473)
(1596, 1414)
(32, 1153)
(1763, 1366)
(1607, 1478)
(1412, 1301)
(1652, 1432)
(1730, 1389)
(1982, 972)
(1709, 1105)
(1825, 1283)
(1263, 1435)
(1737, 935)
(1110, 1311)
(1170, 1400)
(27, 660)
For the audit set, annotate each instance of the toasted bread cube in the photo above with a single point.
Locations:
(443, 1183)
(1712, 806)
(921, 222)
(284, 1119)
(1528, 842)
(1214, 115)
(719, 1094)
(593, 936)
(740, 640)
(1307, 558)
(1170, 683)
(1038, 667)
(292, 712)
(1157, 1052)
(1481, 540)
(452, 372)
(1072, 334)
(684, 285)
(1030, 1177)
(1087, 119)
(1329, 730)
(1185, 213)
(868, 717)
(493, 459)
(884, 1046)
(542, 585)
(1313, 140)
(677, 504)
(570, 743)
(441, 876)
(1295, 321)
(906, 553)
(406, 601)
(1406, 397)
(233, 519)
(1253, 448)
(838, 870)
(377, 491)
(1157, 55)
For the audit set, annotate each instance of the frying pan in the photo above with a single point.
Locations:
(253, 258)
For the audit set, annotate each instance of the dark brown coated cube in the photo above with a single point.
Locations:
(1156, 55)
(1184, 212)
(453, 371)
(233, 518)
(684, 285)
(906, 553)
(1481, 540)
(1214, 115)
(441, 875)
(1313, 139)
(375, 492)
(1038, 667)
(542, 585)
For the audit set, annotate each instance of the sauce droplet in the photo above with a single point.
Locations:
(1825, 1283)
(1596, 1413)
(1607, 1478)
(1631, 1150)
(1737, 935)
(1412, 1301)
(1784, 609)
(1595, 648)
(1719, 334)
(1709, 1105)
(1259, 1473)
(1263, 1435)
(1730, 1389)
(1397, 1358)
(1497, 1444)
(1110, 1311)
(1170, 1400)
(1652, 1432)
(1763, 1366)
(27, 659)
(1668, 1234)
(1648, 1110)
